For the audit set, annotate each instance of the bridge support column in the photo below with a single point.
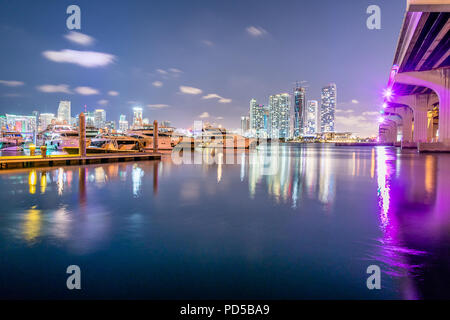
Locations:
(439, 81)
(407, 118)
(421, 118)
(444, 109)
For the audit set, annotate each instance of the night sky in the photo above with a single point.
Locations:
(188, 60)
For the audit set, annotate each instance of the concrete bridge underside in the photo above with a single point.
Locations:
(419, 83)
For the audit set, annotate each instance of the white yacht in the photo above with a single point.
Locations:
(11, 141)
(146, 136)
(62, 136)
(109, 143)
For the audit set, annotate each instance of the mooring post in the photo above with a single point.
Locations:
(155, 136)
(82, 128)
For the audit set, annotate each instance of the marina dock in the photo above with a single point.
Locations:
(64, 160)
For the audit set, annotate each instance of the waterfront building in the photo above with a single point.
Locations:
(123, 123)
(166, 124)
(312, 117)
(245, 124)
(99, 118)
(257, 125)
(279, 114)
(90, 119)
(328, 108)
(299, 111)
(137, 117)
(22, 124)
(46, 119)
(64, 112)
(2, 122)
(110, 125)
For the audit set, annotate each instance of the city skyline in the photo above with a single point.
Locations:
(149, 70)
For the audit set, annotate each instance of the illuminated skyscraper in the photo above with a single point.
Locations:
(137, 117)
(45, 119)
(123, 123)
(328, 108)
(245, 124)
(299, 111)
(64, 113)
(312, 117)
(257, 111)
(99, 118)
(279, 108)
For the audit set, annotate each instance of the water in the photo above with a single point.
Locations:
(300, 222)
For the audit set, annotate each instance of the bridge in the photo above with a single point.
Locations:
(416, 112)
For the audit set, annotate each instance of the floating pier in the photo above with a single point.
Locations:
(64, 160)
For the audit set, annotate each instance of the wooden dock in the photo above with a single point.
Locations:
(65, 160)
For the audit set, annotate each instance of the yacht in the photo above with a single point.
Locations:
(109, 143)
(60, 136)
(11, 141)
(146, 136)
(220, 138)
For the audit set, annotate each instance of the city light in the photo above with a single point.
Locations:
(388, 93)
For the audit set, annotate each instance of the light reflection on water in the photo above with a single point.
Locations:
(281, 221)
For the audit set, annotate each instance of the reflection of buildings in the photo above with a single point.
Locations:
(291, 178)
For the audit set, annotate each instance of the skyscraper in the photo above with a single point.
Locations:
(257, 112)
(45, 119)
(245, 124)
(99, 118)
(137, 117)
(328, 108)
(123, 123)
(312, 117)
(64, 113)
(280, 108)
(299, 111)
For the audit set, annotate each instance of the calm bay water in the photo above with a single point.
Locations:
(293, 223)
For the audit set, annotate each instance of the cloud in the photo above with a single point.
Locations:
(175, 70)
(190, 90)
(371, 113)
(113, 93)
(344, 111)
(216, 96)
(103, 102)
(79, 38)
(208, 43)
(158, 106)
(256, 31)
(50, 88)
(86, 91)
(354, 101)
(133, 102)
(212, 96)
(357, 124)
(219, 118)
(161, 71)
(12, 83)
(157, 84)
(204, 115)
(87, 59)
